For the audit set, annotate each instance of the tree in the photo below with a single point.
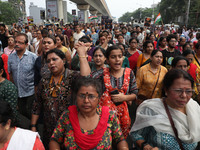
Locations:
(175, 11)
(69, 17)
(172, 11)
(140, 12)
(9, 14)
(126, 17)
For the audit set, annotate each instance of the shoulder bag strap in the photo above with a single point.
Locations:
(196, 60)
(156, 83)
(12, 51)
(172, 124)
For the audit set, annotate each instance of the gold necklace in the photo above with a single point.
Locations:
(53, 90)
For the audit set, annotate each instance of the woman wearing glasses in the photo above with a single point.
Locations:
(87, 125)
(171, 122)
(185, 63)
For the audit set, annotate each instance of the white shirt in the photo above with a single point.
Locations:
(29, 37)
(77, 36)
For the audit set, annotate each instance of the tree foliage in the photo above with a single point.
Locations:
(9, 14)
(69, 17)
(172, 11)
(140, 12)
(176, 11)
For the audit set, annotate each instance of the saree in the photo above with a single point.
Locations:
(133, 60)
(120, 110)
(152, 113)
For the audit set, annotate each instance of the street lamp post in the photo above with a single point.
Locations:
(153, 11)
(0, 15)
(140, 9)
(187, 15)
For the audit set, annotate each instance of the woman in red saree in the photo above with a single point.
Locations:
(133, 53)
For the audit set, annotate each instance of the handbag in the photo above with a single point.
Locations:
(173, 126)
(141, 97)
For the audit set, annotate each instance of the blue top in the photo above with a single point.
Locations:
(94, 37)
(163, 141)
(22, 71)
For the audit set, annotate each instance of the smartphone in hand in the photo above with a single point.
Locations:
(114, 93)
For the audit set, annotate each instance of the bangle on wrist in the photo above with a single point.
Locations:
(143, 145)
(82, 56)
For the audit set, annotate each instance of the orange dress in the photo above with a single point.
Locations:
(121, 110)
(141, 60)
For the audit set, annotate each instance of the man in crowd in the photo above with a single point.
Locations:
(170, 52)
(78, 34)
(21, 70)
(126, 35)
(28, 34)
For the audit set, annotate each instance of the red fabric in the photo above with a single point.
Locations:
(89, 58)
(5, 61)
(37, 145)
(194, 44)
(122, 109)
(179, 48)
(155, 44)
(133, 60)
(68, 33)
(193, 71)
(88, 141)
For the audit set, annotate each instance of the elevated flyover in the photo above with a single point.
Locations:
(96, 7)
(57, 8)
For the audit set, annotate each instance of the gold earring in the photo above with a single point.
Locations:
(7, 128)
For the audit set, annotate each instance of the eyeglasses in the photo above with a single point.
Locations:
(180, 92)
(89, 96)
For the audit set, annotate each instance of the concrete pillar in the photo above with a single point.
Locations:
(65, 11)
(99, 16)
(83, 13)
(60, 9)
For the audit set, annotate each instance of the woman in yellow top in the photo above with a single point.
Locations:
(59, 41)
(149, 78)
(147, 49)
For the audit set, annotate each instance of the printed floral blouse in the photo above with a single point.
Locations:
(64, 134)
(53, 107)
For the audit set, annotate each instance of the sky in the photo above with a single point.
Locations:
(116, 7)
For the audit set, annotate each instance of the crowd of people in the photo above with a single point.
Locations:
(87, 87)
